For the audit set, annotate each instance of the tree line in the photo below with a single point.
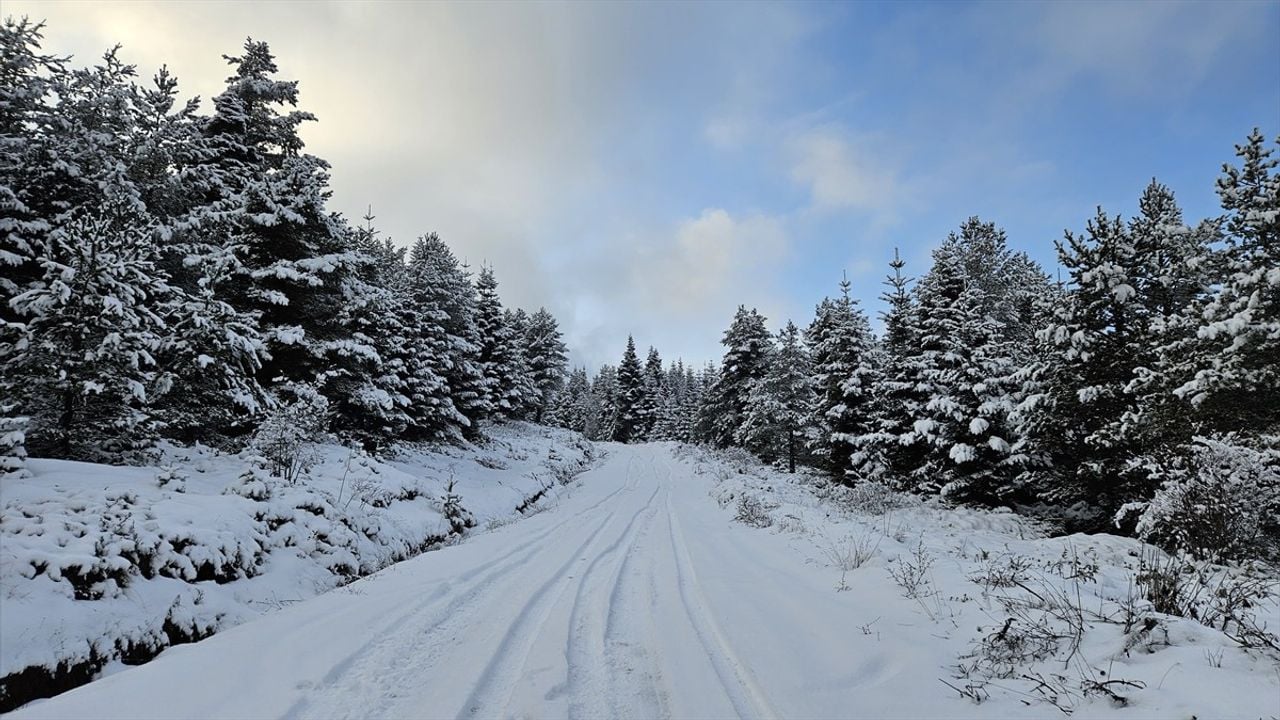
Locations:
(1139, 392)
(173, 274)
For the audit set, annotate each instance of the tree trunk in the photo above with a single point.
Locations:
(791, 452)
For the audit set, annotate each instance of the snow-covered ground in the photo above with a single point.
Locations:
(103, 565)
(638, 595)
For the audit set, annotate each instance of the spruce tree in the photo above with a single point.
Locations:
(779, 403)
(747, 344)
(628, 424)
(84, 367)
(840, 345)
(545, 350)
(1227, 370)
(445, 302)
(602, 411)
(890, 451)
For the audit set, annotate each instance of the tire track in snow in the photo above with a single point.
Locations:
(590, 682)
(496, 684)
(626, 652)
(396, 639)
(748, 699)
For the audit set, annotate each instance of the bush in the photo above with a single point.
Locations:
(1216, 501)
(754, 512)
(287, 436)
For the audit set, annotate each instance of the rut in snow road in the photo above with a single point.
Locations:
(634, 598)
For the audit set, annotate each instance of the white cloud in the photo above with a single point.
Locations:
(689, 277)
(841, 172)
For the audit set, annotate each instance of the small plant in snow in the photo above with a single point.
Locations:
(287, 436)
(849, 553)
(458, 517)
(171, 478)
(254, 483)
(754, 512)
(13, 438)
(912, 573)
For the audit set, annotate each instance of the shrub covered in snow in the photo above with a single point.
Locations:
(1219, 501)
(287, 435)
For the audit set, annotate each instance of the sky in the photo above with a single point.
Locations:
(645, 168)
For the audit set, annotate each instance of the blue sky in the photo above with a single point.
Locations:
(645, 168)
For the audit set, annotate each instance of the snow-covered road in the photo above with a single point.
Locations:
(637, 596)
(634, 597)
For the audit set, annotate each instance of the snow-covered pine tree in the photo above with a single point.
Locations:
(748, 344)
(628, 424)
(653, 390)
(1097, 339)
(444, 296)
(779, 403)
(667, 424)
(1227, 370)
(524, 394)
(33, 188)
(571, 405)
(496, 348)
(84, 368)
(1175, 270)
(213, 351)
(962, 369)
(264, 199)
(700, 415)
(602, 410)
(545, 350)
(13, 442)
(399, 390)
(840, 345)
(890, 450)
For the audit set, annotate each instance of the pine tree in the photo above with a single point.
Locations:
(653, 390)
(1097, 339)
(780, 402)
(262, 207)
(602, 411)
(496, 346)
(1227, 370)
(961, 368)
(629, 423)
(890, 449)
(840, 345)
(748, 343)
(545, 349)
(84, 368)
(571, 406)
(445, 303)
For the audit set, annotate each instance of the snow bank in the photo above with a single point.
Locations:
(103, 564)
(996, 612)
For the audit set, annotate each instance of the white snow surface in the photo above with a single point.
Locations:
(636, 595)
(190, 553)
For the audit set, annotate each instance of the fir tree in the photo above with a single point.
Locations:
(445, 302)
(545, 350)
(840, 345)
(890, 449)
(496, 348)
(748, 343)
(780, 402)
(628, 425)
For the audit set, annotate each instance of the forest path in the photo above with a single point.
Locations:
(633, 597)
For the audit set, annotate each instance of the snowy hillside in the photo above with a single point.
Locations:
(105, 565)
(640, 596)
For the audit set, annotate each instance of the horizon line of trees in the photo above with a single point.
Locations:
(1140, 394)
(171, 274)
